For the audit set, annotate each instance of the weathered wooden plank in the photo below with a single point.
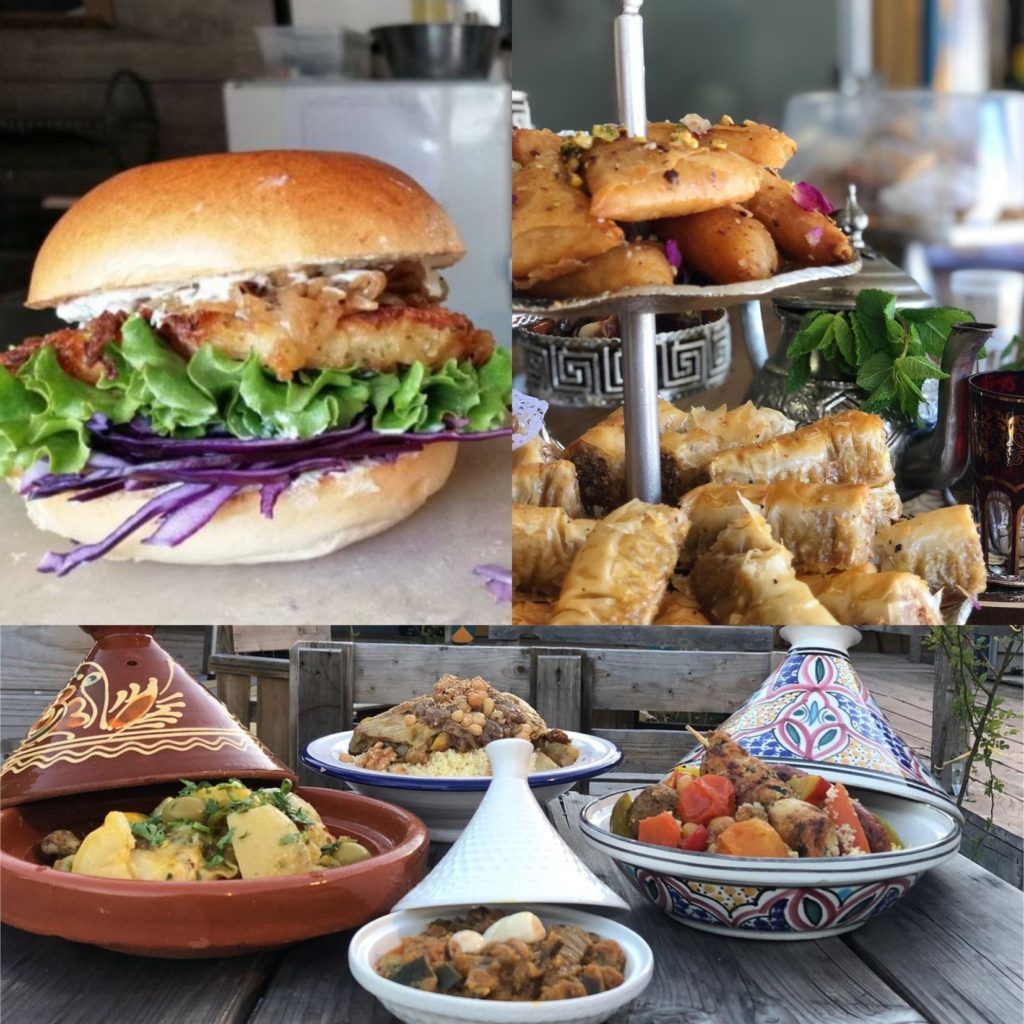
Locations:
(249, 639)
(273, 725)
(47, 979)
(249, 664)
(678, 638)
(953, 946)
(648, 751)
(673, 680)
(321, 698)
(385, 673)
(557, 688)
(234, 691)
(993, 847)
(43, 657)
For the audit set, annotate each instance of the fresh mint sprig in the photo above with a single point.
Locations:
(890, 352)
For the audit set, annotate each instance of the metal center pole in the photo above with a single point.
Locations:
(639, 369)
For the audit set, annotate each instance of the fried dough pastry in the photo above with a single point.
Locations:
(727, 244)
(849, 447)
(942, 547)
(531, 613)
(631, 265)
(880, 599)
(633, 179)
(620, 575)
(553, 229)
(600, 456)
(544, 543)
(746, 578)
(548, 484)
(759, 143)
(530, 143)
(805, 236)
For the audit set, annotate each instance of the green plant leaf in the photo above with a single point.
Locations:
(811, 334)
(845, 343)
(933, 325)
(799, 373)
(874, 371)
(875, 313)
(918, 368)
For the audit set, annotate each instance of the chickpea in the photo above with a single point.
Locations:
(498, 716)
(488, 706)
(475, 729)
(458, 716)
(480, 718)
(688, 829)
(410, 720)
(716, 825)
(683, 779)
(475, 699)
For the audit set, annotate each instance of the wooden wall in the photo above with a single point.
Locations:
(184, 49)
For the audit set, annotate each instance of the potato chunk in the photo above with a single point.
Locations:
(267, 843)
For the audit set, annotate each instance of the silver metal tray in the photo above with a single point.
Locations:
(681, 297)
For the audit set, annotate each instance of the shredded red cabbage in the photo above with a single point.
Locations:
(201, 474)
(498, 581)
(672, 253)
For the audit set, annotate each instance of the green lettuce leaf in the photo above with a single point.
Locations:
(43, 410)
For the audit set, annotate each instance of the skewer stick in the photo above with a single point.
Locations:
(702, 740)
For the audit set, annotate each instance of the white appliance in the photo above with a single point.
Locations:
(452, 137)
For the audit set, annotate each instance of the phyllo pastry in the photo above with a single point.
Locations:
(548, 484)
(531, 613)
(847, 448)
(621, 573)
(747, 579)
(600, 456)
(942, 547)
(825, 526)
(879, 599)
(553, 229)
(459, 716)
(680, 608)
(544, 543)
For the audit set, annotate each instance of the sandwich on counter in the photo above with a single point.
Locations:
(257, 366)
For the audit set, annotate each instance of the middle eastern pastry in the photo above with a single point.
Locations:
(762, 524)
(445, 732)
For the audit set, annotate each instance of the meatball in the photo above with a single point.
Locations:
(653, 800)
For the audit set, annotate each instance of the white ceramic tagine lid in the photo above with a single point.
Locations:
(509, 852)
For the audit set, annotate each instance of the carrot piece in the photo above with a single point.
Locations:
(751, 838)
(660, 829)
(839, 807)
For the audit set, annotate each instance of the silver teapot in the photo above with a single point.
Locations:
(930, 458)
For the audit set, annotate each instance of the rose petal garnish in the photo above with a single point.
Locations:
(807, 197)
(813, 236)
(528, 416)
(672, 253)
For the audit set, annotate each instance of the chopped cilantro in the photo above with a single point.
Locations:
(149, 831)
(292, 837)
(187, 788)
(198, 826)
(212, 806)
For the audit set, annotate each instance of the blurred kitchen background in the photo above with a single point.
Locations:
(90, 87)
(920, 103)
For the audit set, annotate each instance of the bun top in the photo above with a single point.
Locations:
(231, 213)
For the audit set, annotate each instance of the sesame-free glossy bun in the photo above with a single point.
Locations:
(315, 516)
(234, 213)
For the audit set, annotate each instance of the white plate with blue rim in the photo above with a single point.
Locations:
(445, 804)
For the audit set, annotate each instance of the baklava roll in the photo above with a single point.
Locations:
(548, 484)
(544, 543)
(879, 599)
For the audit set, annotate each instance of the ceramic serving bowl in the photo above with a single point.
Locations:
(201, 919)
(447, 804)
(781, 898)
(412, 1006)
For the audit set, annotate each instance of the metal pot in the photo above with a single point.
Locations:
(438, 51)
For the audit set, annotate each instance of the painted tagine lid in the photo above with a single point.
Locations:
(815, 713)
(509, 852)
(131, 716)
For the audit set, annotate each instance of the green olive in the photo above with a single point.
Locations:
(183, 808)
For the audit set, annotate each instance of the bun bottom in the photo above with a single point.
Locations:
(315, 516)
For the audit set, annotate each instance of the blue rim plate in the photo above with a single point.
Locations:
(596, 757)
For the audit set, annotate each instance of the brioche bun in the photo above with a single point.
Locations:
(316, 515)
(234, 213)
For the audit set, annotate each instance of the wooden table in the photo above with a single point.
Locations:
(952, 951)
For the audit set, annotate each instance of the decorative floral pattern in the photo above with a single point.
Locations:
(821, 910)
(815, 708)
(91, 718)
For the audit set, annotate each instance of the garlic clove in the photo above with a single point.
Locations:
(466, 942)
(524, 926)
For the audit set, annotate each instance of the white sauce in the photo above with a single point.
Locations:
(208, 289)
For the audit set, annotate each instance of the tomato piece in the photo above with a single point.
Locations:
(812, 788)
(696, 840)
(707, 797)
(659, 829)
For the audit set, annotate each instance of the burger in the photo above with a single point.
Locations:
(258, 364)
